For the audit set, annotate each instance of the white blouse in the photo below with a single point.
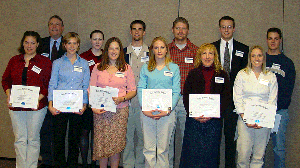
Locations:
(247, 87)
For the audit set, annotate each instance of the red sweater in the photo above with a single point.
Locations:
(91, 58)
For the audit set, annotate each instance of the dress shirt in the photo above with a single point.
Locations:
(125, 83)
(58, 41)
(64, 77)
(91, 58)
(247, 87)
(178, 57)
(222, 50)
(158, 80)
(38, 74)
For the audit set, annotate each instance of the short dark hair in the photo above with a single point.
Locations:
(32, 34)
(181, 19)
(57, 17)
(96, 31)
(275, 30)
(138, 22)
(227, 18)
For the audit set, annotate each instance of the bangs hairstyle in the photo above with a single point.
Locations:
(120, 62)
(152, 61)
(249, 65)
(68, 37)
(32, 34)
(207, 46)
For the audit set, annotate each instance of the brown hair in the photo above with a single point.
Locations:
(68, 37)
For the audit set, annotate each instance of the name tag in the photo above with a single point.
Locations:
(168, 73)
(45, 54)
(188, 60)
(120, 74)
(239, 53)
(77, 69)
(264, 82)
(276, 66)
(91, 62)
(145, 59)
(36, 69)
(219, 80)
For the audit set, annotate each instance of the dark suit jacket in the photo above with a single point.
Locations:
(195, 84)
(45, 47)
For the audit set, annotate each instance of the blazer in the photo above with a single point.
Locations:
(237, 62)
(45, 48)
(195, 84)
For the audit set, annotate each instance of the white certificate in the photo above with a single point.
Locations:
(156, 99)
(68, 100)
(101, 98)
(260, 113)
(204, 104)
(24, 96)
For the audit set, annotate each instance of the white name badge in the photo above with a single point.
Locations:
(77, 69)
(36, 69)
(119, 74)
(188, 60)
(45, 54)
(275, 66)
(264, 82)
(219, 80)
(168, 73)
(91, 62)
(239, 53)
(145, 59)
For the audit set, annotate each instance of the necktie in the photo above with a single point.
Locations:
(227, 59)
(54, 53)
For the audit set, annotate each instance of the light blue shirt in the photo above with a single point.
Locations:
(66, 76)
(159, 80)
(58, 41)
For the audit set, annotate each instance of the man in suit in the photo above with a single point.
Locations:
(233, 56)
(136, 54)
(51, 48)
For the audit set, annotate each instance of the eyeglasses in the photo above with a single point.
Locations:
(228, 27)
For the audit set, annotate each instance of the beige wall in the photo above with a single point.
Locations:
(253, 18)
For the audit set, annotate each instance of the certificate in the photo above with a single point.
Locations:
(204, 104)
(260, 113)
(68, 100)
(24, 96)
(101, 98)
(156, 99)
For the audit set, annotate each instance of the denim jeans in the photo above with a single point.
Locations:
(26, 127)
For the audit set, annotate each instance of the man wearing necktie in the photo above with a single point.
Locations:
(233, 56)
(52, 48)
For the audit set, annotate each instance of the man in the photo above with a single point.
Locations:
(182, 52)
(51, 48)
(137, 54)
(284, 69)
(233, 56)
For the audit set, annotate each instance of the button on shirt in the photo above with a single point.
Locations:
(65, 77)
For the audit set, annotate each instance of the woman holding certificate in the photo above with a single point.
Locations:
(70, 76)
(158, 123)
(110, 126)
(25, 82)
(254, 84)
(93, 56)
(202, 135)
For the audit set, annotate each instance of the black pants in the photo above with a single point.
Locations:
(46, 138)
(60, 128)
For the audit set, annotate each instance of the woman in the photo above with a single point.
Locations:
(28, 69)
(254, 83)
(70, 72)
(202, 136)
(110, 127)
(93, 56)
(159, 73)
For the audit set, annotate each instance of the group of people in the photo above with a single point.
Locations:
(225, 67)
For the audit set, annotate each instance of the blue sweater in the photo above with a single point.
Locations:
(157, 80)
(284, 69)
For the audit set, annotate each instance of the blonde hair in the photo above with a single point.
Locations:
(152, 61)
(68, 37)
(210, 47)
(249, 65)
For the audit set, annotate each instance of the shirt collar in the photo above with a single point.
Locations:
(188, 44)
(78, 58)
(57, 41)
(130, 49)
(230, 43)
